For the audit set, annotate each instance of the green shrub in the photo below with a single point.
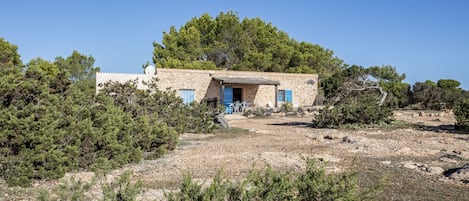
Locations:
(461, 113)
(189, 190)
(361, 110)
(287, 107)
(315, 184)
(162, 106)
(270, 184)
(72, 190)
(200, 118)
(259, 112)
(120, 189)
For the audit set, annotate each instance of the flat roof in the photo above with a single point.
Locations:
(246, 80)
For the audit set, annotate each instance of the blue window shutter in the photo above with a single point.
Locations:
(187, 95)
(289, 96)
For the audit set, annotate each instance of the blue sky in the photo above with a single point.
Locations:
(426, 39)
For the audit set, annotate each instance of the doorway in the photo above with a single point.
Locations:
(238, 94)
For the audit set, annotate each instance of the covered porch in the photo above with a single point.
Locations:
(235, 92)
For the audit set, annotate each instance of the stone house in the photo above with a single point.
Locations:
(260, 89)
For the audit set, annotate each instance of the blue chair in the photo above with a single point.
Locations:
(228, 108)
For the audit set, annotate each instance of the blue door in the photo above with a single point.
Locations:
(187, 95)
(228, 99)
(288, 96)
(228, 95)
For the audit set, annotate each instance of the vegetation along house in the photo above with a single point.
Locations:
(260, 89)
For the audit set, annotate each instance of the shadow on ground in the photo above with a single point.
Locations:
(441, 128)
(295, 123)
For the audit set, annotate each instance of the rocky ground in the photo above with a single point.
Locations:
(418, 163)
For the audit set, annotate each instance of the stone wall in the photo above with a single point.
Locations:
(304, 86)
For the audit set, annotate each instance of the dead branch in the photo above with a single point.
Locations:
(367, 84)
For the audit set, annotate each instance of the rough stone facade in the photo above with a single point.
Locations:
(303, 86)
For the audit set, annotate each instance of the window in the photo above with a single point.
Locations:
(187, 95)
(281, 96)
(285, 96)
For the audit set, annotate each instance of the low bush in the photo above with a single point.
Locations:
(259, 112)
(362, 110)
(121, 188)
(461, 113)
(200, 118)
(72, 189)
(315, 184)
(270, 184)
(287, 107)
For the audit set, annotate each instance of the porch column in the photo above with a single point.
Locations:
(276, 96)
(222, 95)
